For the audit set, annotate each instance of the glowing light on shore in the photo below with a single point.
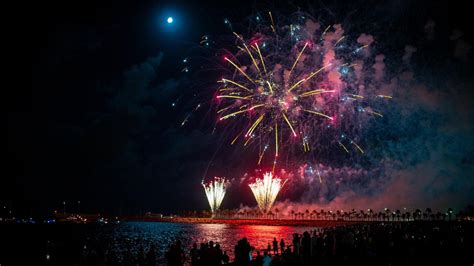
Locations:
(215, 192)
(266, 190)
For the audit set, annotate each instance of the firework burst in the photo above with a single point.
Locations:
(266, 190)
(297, 84)
(215, 192)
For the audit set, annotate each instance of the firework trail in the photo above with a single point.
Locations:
(266, 190)
(215, 192)
(297, 85)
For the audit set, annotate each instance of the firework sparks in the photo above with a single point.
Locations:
(215, 192)
(289, 85)
(266, 190)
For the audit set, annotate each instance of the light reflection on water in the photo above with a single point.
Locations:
(132, 235)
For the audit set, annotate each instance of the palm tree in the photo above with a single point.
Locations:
(346, 216)
(277, 211)
(417, 214)
(293, 214)
(270, 215)
(387, 213)
(370, 212)
(398, 214)
(307, 213)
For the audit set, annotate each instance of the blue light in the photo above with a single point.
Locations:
(169, 20)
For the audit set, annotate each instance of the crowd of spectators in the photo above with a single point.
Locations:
(363, 244)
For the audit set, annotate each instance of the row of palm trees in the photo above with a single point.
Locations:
(352, 215)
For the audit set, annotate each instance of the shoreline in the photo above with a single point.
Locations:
(269, 222)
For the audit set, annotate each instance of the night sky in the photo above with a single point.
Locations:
(101, 120)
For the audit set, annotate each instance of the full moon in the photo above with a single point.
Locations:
(170, 20)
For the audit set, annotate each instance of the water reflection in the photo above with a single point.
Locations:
(132, 235)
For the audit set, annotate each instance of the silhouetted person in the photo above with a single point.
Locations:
(194, 254)
(305, 247)
(225, 258)
(276, 261)
(296, 244)
(266, 258)
(282, 245)
(242, 250)
(217, 255)
(258, 261)
(203, 254)
(211, 255)
(275, 246)
(175, 255)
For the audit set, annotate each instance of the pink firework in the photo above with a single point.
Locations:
(297, 84)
